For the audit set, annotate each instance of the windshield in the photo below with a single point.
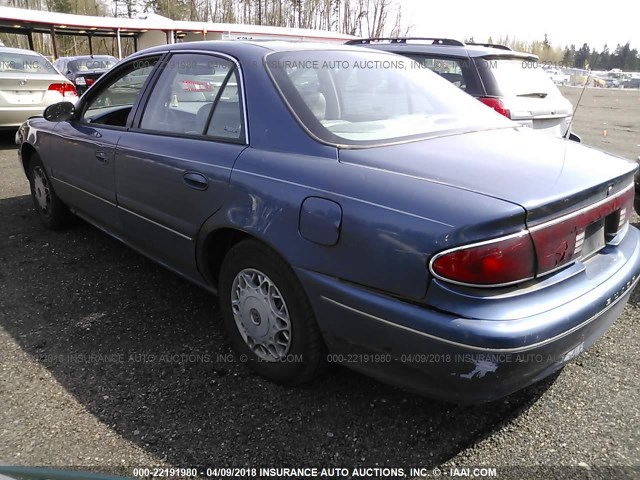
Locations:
(371, 98)
(518, 77)
(25, 63)
(86, 64)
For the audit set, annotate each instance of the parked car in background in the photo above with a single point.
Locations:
(611, 82)
(366, 207)
(84, 70)
(558, 76)
(29, 84)
(631, 83)
(512, 83)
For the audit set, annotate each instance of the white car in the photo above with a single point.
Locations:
(558, 76)
(28, 85)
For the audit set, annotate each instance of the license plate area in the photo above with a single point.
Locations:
(594, 239)
(24, 97)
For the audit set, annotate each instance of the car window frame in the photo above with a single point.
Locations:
(143, 104)
(106, 79)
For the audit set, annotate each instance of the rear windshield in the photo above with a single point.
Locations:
(25, 63)
(371, 98)
(520, 77)
(86, 64)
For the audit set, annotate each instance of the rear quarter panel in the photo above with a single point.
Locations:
(391, 224)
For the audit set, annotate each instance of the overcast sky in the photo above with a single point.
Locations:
(564, 21)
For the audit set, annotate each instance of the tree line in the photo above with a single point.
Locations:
(371, 18)
(623, 56)
(366, 18)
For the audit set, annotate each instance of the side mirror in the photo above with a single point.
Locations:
(60, 112)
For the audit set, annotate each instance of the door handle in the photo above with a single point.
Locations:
(102, 157)
(195, 180)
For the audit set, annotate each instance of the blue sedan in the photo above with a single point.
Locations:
(348, 206)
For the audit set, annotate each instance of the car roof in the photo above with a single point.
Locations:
(447, 47)
(260, 47)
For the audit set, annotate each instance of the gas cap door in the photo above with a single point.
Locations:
(320, 220)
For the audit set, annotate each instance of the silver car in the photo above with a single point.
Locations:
(29, 84)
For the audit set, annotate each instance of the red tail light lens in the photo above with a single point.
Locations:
(537, 251)
(496, 104)
(65, 89)
(504, 261)
(90, 81)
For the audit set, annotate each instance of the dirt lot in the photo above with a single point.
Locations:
(147, 396)
(608, 118)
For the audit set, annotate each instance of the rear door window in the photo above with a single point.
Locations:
(196, 94)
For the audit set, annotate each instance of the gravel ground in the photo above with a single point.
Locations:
(162, 386)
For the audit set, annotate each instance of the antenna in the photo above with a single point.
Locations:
(566, 134)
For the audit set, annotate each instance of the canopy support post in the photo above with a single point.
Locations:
(54, 44)
(119, 44)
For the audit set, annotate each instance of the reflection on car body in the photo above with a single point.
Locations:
(380, 213)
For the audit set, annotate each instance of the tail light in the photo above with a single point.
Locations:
(537, 251)
(499, 262)
(497, 105)
(90, 81)
(65, 89)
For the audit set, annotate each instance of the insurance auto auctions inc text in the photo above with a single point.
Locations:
(357, 472)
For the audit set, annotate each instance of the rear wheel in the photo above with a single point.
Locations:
(267, 315)
(51, 211)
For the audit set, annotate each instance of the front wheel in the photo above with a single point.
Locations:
(267, 315)
(53, 214)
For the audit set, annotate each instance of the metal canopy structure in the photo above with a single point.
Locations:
(27, 22)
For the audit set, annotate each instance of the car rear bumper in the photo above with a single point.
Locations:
(458, 359)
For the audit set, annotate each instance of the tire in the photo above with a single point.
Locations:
(259, 294)
(53, 214)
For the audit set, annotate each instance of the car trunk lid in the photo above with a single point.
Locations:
(548, 177)
(28, 90)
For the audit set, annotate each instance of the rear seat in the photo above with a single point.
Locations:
(226, 122)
